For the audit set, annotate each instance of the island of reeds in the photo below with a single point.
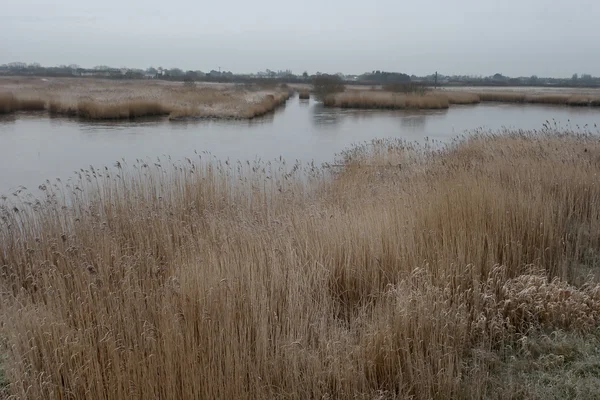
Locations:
(109, 100)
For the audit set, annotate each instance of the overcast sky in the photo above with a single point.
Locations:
(475, 37)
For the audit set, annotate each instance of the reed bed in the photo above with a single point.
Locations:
(269, 103)
(262, 106)
(442, 99)
(575, 100)
(7, 103)
(411, 272)
(127, 110)
(10, 103)
(456, 97)
(386, 100)
(99, 100)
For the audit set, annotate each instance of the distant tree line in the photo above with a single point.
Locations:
(384, 78)
(395, 81)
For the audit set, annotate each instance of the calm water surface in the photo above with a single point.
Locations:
(34, 148)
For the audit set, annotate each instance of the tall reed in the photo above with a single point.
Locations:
(89, 109)
(9, 103)
(386, 100)
(457, 97)
(390, 278)
(547, 98)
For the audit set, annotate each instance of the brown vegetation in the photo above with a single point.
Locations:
(266, 105)
(269, 103)
(536, 98)
(327, 85)
(412, 272)
(410, 87)
(58, 108)
(9, 103)
(386, 100)
(456, 97)
(97, 100)
(304, 94)
(127, 110)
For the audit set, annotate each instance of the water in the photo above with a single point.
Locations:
(34, 148)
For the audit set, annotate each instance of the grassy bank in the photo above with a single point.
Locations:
(386, 100)
(412, 272)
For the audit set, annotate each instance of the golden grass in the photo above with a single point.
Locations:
(269, 103)
(386, 100)
(266, 104)
(577, 100)
(7, 103)
(92, 99)
(127, 110)
(59, 108)
(304, 94)
(504, 97)
(387, 280)
(10, 103)
(456, 97)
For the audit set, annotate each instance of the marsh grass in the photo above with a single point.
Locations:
(575, 100)
(405, 274)
(456, 97)
(266, 104)
(9, 103)
(96, 100)
(89, 109)
(442, 99)
(386, 100)
(60, 108)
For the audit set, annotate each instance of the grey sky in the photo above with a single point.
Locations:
(481, 37)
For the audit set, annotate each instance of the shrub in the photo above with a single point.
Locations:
(304, 94)
(326, 85)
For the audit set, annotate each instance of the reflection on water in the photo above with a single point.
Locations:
(416, 122)
(34, 147)
(414, 119)
(7, 119)
(325, 116)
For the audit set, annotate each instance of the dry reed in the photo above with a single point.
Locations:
(89, 109)
(60, 108)
(456, 97)
(202, 279)
(92, 99)
(10, 103)
(265, 105)
(7, 103)
(550, 98)
(268, 104)
(304, 94)
(386, 100)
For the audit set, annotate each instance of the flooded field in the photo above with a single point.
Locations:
(34, 148)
